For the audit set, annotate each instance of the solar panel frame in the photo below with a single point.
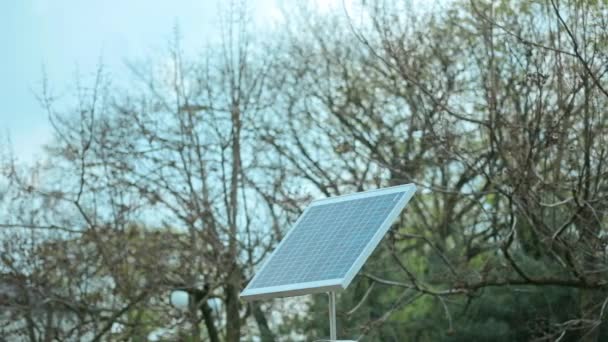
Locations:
(336, 284)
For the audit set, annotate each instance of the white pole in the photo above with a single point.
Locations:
(332, 316)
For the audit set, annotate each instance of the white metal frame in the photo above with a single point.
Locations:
(338, 284)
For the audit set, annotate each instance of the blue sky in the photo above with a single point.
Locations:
(69, 36)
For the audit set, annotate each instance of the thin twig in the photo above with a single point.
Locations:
(576, 50)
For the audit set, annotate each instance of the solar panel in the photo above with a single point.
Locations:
(329, 243)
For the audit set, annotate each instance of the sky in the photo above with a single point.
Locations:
(66, 37)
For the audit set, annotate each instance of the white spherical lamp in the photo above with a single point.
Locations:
(179, 299)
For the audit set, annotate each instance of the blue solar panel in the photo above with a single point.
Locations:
(327, 242)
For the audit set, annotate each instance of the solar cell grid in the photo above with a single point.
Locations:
(327, 241)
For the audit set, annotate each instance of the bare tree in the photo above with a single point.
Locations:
(182, 151)
(493, 115)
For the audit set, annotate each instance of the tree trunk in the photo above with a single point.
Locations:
(209, 322)
(233, 317)
(265, 333)
(193, 317)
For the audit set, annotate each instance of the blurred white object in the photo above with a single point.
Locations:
(179, 299)
(116, 328)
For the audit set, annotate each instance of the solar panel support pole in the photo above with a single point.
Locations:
(332, 316)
